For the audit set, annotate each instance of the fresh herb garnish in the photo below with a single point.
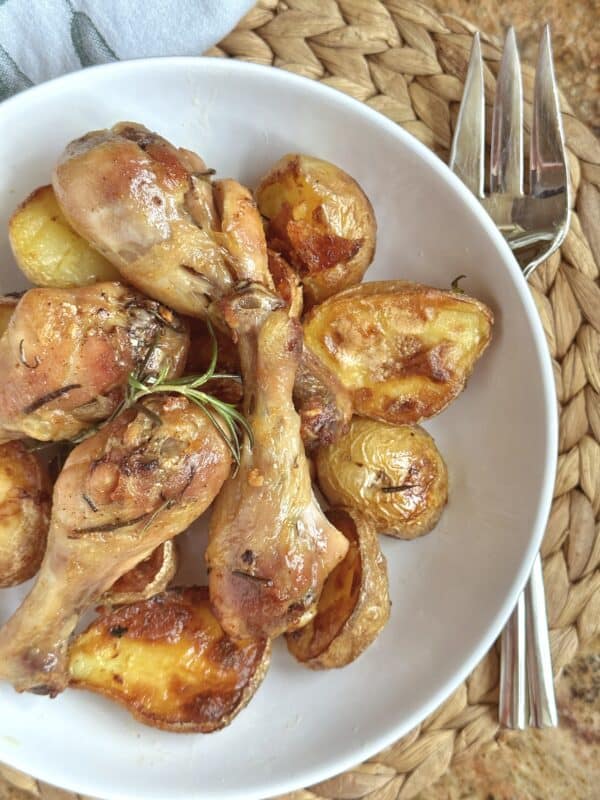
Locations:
(454, 285)
(142, 384)
(189, 386)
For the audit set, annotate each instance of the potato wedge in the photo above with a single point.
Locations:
(404, 351)
(148, 578)
(393, 475)
(320, 220)
(7, 306)
(25, 497)
(354, 605)
(47, 248)
(168, 661)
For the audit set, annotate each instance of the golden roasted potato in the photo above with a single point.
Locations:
(168, 661)
(404, 351)
(393, 475)
(7, 306)
(354, 605)
(25, 494)
(320, 220)
(151, 576)
(47, 248)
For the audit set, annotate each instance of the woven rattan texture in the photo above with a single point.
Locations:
(409, 63)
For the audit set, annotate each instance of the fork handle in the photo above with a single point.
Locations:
(542, 701)
(512, 703)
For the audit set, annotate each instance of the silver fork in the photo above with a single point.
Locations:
(534, 225)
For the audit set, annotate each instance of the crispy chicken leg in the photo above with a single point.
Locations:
(270, 545)
(153, 211)
(67, 353)
(139, 481)
(324, 404)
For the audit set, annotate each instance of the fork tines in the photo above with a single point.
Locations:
(548, 171)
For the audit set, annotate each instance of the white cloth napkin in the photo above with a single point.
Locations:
(40, 39)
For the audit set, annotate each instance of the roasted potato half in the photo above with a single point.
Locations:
(404, 351)
(151, 576)
(25, 497)
(393, 475)
(354, 605)
(47, 248)
(169, 662)
(320, 220)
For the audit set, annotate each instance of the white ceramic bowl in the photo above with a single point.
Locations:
(451, 590)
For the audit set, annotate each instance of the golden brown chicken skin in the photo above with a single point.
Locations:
(139, 481)
(270, 545)
(152, 210)
(67, 353)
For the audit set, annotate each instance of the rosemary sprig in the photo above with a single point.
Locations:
(140, 384)
(455, 284)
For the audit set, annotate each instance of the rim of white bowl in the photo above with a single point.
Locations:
(55, 776)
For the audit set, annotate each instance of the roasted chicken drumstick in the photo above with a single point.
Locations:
(152, 211)
(270, 545)
(142, 479)
(67, 353)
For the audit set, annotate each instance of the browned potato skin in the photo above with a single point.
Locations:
(403, 350)
(354, 605)
(25, 493)
(321, 221)
(7, 306)
(150, 577)
(169, 662)
(393, 475)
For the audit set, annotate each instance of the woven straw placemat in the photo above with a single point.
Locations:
(409, 63)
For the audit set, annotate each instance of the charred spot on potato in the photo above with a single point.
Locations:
(171, 664)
